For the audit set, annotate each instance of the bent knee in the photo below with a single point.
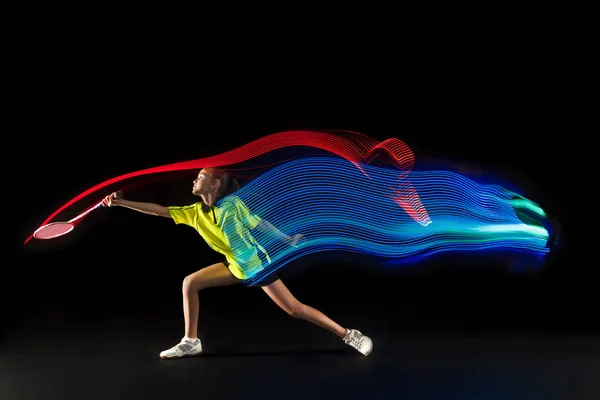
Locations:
(190, 284)
(297, 310)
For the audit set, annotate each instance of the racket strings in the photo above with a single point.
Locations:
(53, 230)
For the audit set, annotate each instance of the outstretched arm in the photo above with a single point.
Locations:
(146, 208)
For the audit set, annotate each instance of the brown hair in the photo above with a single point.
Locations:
(228, 183)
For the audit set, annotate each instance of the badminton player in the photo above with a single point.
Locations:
(211, 185)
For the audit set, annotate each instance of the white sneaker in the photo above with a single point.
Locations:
(182, 349)
(360, 342)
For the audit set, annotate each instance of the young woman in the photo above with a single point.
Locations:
(218, 226)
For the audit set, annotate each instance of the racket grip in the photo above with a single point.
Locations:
(117, 194)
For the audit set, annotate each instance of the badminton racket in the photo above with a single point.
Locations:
(56, 229)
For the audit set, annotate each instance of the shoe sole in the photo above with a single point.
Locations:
(183, 356)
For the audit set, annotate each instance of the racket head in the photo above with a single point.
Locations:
(53, 230)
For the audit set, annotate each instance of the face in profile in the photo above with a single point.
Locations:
(203, 183)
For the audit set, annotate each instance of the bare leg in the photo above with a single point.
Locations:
(286, 300)
(212, 276)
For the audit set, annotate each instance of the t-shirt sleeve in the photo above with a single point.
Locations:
(184, 214)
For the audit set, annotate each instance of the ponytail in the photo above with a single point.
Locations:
(228, 185)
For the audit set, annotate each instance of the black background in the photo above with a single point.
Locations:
(89, 120)
(87, 314)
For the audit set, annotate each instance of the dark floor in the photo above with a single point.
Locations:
(98, 353)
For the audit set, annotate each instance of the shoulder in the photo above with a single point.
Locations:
(234, 201)
(230, 201)
(195, 207)
(233, 204)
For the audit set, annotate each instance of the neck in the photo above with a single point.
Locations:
(210, 198)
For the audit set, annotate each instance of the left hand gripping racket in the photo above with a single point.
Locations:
(56, 229)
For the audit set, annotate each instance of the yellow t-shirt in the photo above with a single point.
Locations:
(234, 222)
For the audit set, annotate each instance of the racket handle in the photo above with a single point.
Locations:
(97, 206)
(118, 194)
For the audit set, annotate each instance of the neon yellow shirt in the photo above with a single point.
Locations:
(234, 222)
